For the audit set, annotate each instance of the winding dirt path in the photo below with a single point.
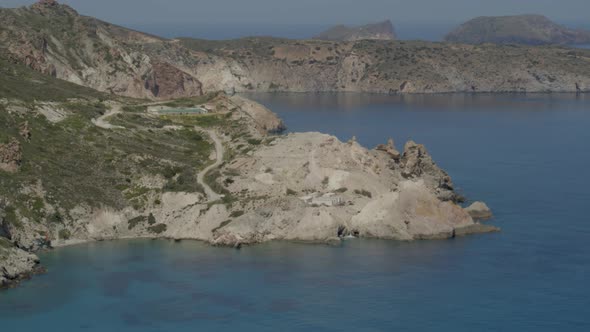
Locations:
(219, 151)
(101, 121)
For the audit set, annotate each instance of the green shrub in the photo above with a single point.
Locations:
(158, 229)
(237, 214)
(132, 223)
(5, 243)
(254, 141)
(65, 234)
(151, 219)
(363, 193)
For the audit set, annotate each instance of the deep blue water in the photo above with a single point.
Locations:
(527, 156)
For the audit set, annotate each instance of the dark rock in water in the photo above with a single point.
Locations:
(519, 29)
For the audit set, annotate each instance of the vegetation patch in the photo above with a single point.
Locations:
(64, 234)
(363, 192)
(236, 214)
(223, 224)
(158, 229)
(132, 223)
(5, 243)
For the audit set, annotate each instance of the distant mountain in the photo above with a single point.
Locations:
(520, 29)
(377, 31)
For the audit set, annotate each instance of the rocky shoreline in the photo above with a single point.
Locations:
(302, 187)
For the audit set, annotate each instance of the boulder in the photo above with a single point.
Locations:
(479, 211)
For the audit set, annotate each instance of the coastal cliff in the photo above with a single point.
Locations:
(55, 40)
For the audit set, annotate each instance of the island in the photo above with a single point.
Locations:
(518, 29)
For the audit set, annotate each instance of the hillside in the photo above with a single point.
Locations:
(520, 29)
(377, 31)
(55, 40)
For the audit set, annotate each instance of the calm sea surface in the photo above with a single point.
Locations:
(527, 156)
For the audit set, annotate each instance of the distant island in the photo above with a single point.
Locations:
(519, 29)
(376, 31)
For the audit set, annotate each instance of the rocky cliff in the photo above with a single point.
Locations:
(376, 31)
(55, 40)
(519, 29)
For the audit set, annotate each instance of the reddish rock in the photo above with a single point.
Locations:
(166, 81)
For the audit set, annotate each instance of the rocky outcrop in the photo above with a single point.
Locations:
(376, 31)
(519, 29)
(10, 156)
(265, 121)
(479, 211)
(417, 163)
(390, 149)
(322, 188)
(16, 264)
(167, 82)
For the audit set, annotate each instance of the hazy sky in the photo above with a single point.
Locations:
(146, 13)
(317, 11)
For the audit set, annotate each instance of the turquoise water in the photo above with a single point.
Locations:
(528, 157)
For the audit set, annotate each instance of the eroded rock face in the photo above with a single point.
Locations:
(322, 188)
(166, 81)
(265, 120)
(10, 156)
(390, 149)
(417, 163)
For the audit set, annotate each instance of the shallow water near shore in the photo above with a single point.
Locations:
(527, 156)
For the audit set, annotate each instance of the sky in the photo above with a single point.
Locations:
(296, 17)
